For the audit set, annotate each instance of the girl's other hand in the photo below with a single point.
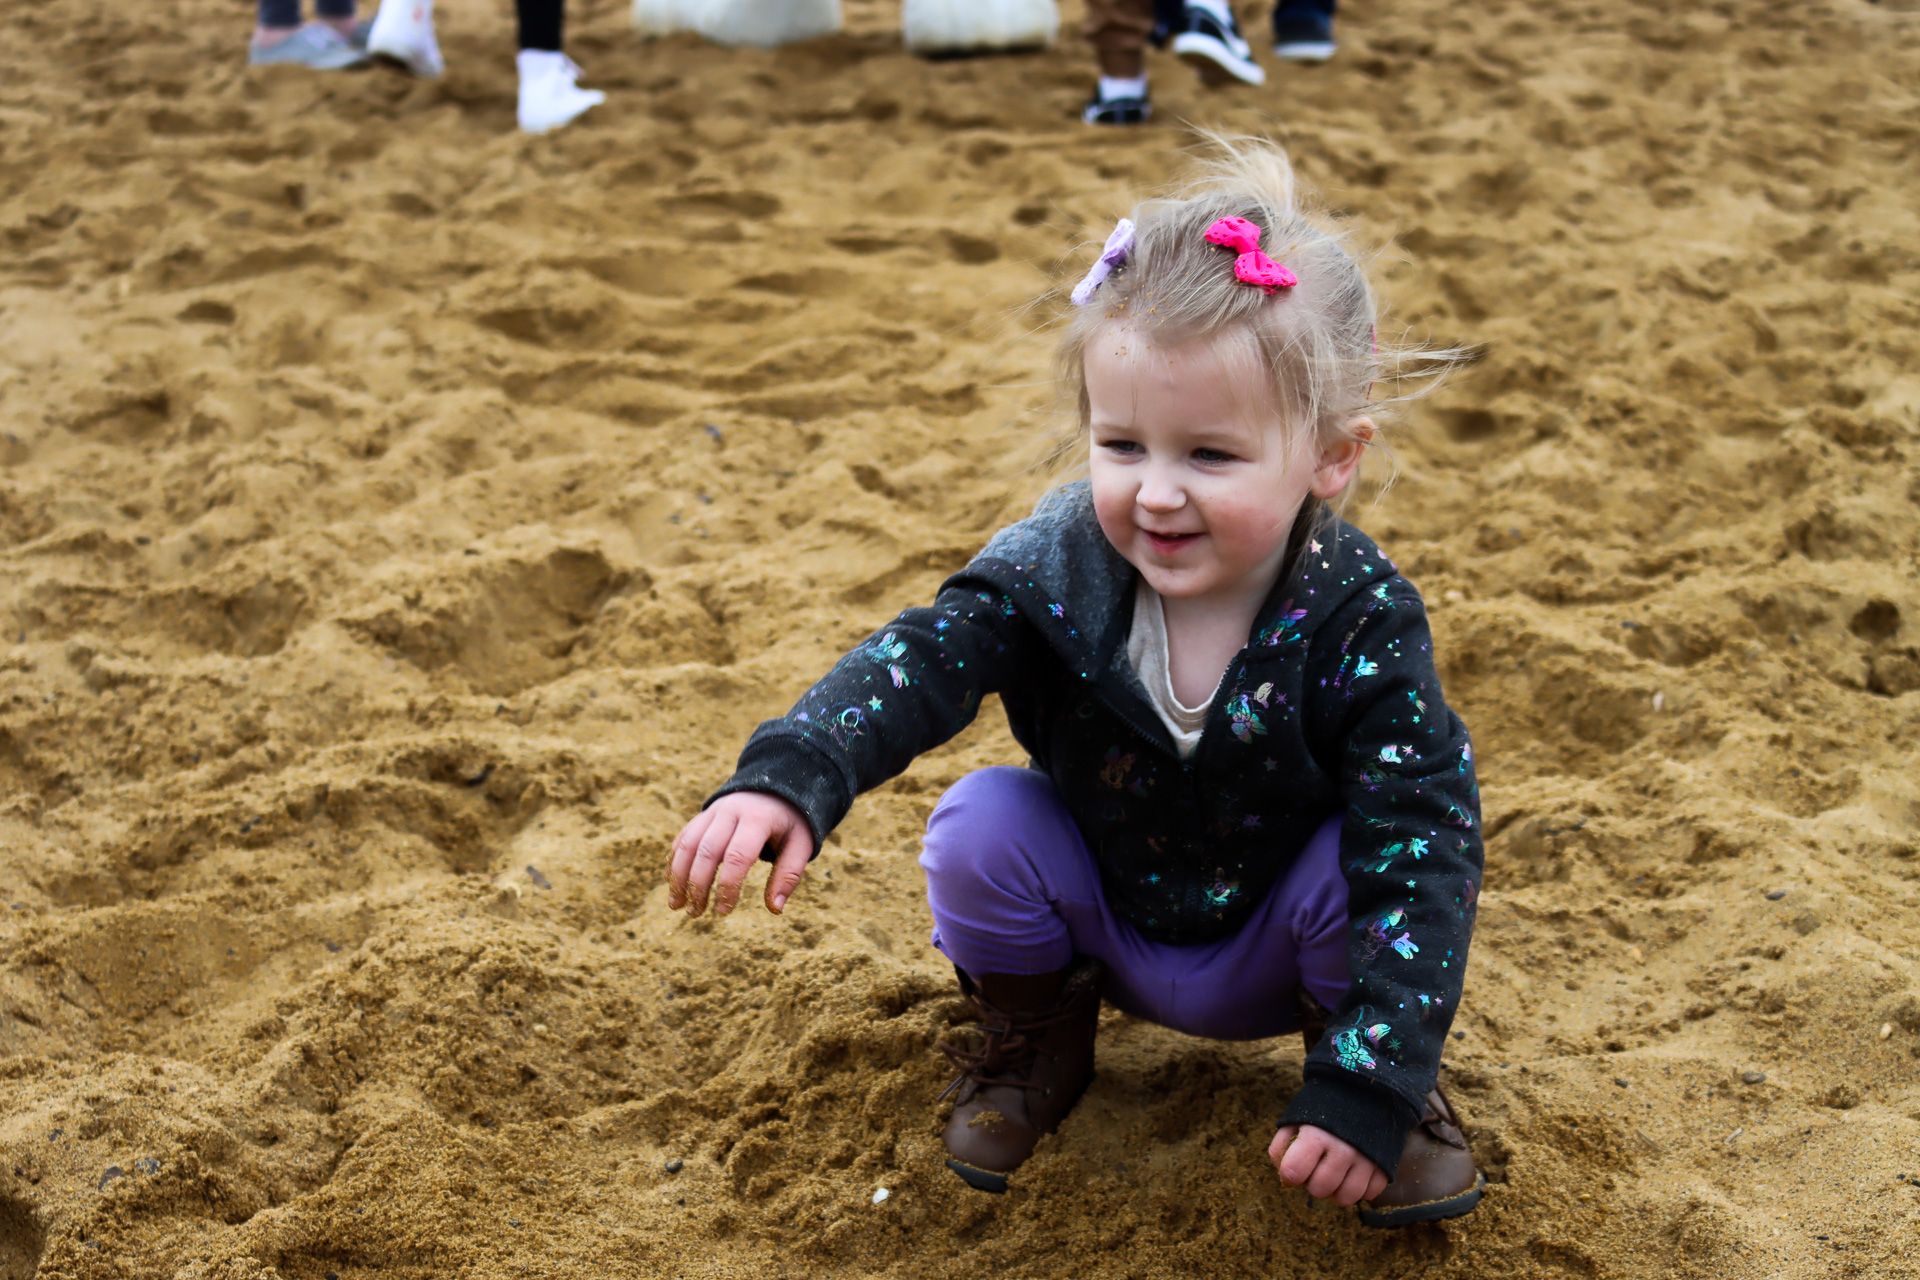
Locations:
(1327, 1167)
(727, 836)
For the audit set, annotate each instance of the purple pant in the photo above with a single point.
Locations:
(1014, 889)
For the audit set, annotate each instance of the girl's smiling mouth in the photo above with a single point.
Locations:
(1170, 542)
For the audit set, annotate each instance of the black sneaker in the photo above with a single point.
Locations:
(1302, 33)
(1216, 49)
(1116, 110)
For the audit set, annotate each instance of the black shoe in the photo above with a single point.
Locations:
(1216, 50)
(1302, 33)
(1116, 110)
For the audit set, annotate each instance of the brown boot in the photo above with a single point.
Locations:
(1035, 1062)
(1436, 1177)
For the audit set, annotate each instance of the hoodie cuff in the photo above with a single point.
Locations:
(799, 774)
(1375, 1121)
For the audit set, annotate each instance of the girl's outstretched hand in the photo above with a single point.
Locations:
(727, 837)
(1327, 1167)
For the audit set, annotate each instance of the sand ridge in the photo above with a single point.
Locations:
(403, 523)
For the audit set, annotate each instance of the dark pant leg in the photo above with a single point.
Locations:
(540, 23)
(279, 13)
(1118, 30)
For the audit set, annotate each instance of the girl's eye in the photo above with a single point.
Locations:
(1212, 455)
(1119, 446)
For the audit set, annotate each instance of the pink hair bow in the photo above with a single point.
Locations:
(1252, 266)
(1116, 251)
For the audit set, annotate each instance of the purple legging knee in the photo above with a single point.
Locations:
(1014, 889)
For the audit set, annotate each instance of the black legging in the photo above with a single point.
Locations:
(286, 13)
(540, 23)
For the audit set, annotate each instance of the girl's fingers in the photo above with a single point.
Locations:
(1327, 1178)
(1375, 1185)
(706, 856)
(749, 838)
(681, 860)
(1298, 1164)
(1277, 1149)
(1353, 1188)
(789, 866)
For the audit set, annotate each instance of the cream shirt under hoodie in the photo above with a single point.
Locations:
(1147, 650)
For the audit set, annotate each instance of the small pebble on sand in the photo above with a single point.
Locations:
(1886, 1030)
(880, 1196)
(113, 1171)
(1753, 1077)
(675, 1165)
(1774, 895)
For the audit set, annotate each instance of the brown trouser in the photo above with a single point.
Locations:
(1118, 31)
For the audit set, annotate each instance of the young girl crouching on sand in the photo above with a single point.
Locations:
(1249, 809)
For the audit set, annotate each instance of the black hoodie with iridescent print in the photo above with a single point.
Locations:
(1333, 706)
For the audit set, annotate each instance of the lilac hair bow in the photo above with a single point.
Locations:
(1252, 266)
(1118, 249)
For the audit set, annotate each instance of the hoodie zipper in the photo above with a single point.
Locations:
(1192, 793)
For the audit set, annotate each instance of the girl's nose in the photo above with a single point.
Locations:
(1160, 492)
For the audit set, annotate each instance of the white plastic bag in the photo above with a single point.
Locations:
(963, 26)
(757, 22)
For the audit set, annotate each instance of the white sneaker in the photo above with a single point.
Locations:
(550, 94)
(403, 31)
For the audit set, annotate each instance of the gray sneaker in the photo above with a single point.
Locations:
(316, 46)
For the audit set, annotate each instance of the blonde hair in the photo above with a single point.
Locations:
(1317, 344)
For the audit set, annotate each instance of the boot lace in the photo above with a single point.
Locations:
(1003, 1055)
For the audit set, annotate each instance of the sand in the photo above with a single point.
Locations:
(403, 522)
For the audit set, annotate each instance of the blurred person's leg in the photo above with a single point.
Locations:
(1119, 31)
(1303, 30)
(1207, 38)
(279, 39)
(403, 31)
(338, 14)
(550, 92)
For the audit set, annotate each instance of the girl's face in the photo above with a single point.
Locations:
(1196, 476)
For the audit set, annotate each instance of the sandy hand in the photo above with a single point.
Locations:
(727, 837)
(1327, 1167)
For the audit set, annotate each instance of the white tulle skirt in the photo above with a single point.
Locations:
(929, 26)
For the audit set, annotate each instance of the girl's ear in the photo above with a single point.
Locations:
(1340, 460)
